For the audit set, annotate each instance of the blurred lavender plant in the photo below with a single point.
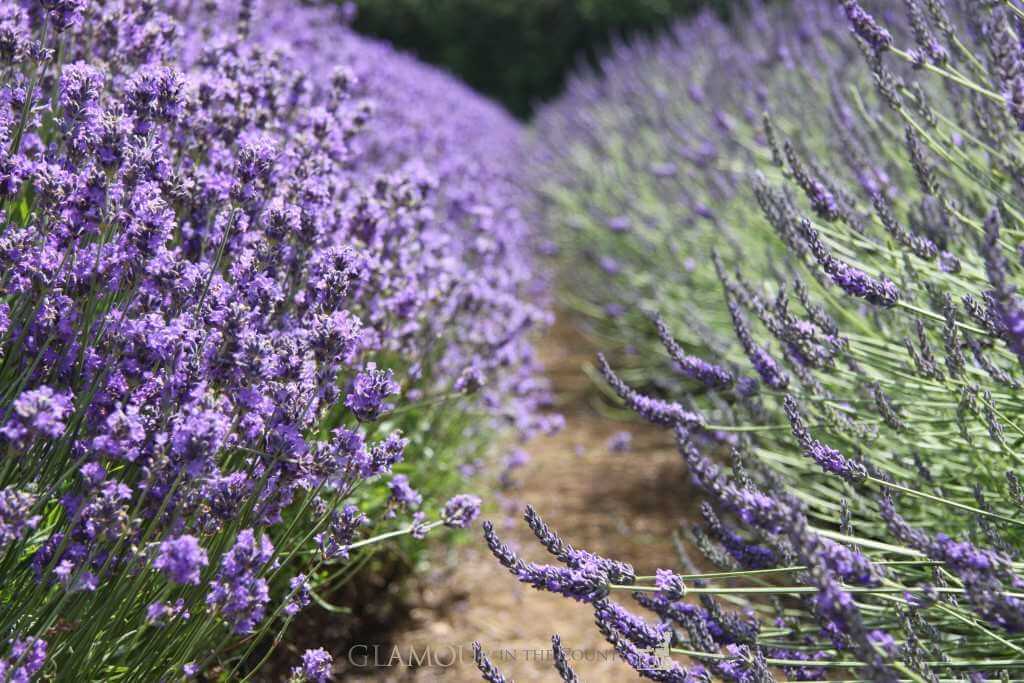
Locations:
(830, 197)
(253, 269)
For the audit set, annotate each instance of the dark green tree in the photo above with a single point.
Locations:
(516, 51)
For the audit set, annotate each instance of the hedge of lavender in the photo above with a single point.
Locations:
(817, 218)
(266, 300)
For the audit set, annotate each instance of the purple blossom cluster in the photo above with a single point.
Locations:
(240, 249)
(317, 667)
(239, 592)
(181, 559)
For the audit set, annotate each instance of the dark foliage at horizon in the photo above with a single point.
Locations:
(517, 53)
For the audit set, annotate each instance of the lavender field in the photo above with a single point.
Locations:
(317, 365)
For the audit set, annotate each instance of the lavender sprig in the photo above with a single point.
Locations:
(654, 410)
(709, 374)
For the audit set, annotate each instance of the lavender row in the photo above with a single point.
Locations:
(799, 242)
(265, 300)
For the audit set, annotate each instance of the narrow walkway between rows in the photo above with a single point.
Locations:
(624, 505)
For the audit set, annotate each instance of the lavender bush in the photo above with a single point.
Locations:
(265, 301)
(824, 208)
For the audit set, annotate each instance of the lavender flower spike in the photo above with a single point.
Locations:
(562, 661)
(1005, 302)
(852, 280)
(316, 666)
(490, 673)
(828, 458)
(699, 369)
(654, 410)
(766, 366)
(505, 555)
(865, 26)
(618, 572)
(644, 662)
(460, 511)
(369, 391)
(628, 624)
(181, 559)
(586, 583)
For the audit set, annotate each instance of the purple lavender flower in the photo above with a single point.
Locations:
(160, 613)
(63, 14)
(79, 99)
(490, 673)
(42, 411)
(155, 94)
(298, 594)
(865, 26)
(822, 200)
(619, 572)
(562, 664)
(470, 380)
(460, 511)
(760, 509)
(122, 435)
(238, 592)
(16, 518)
(317, 666)
(341, 531)
(181, 559)
(402, 494)
(369, 391)
(586, 582)
(25, 660)
(881, 292)
(747, 554)
(386, 453)
(646, 663)
(651, 409)
(615, 617)
(669, 584)
(691, 366)
(620, 442)
(827, 457)
(419, 527)
(766, 366)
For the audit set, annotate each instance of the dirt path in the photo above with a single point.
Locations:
(624, 505)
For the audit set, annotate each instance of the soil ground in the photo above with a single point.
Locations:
(622, 505)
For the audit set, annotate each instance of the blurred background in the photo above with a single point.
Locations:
(518, 52)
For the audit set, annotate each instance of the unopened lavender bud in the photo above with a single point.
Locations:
(562, 664)
(1015, 488)
(995, 428)
(886, 409)
(922, 168)
(865, 26)
(822, 200)
(951, 339)
(490, 673)
(771, 140)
